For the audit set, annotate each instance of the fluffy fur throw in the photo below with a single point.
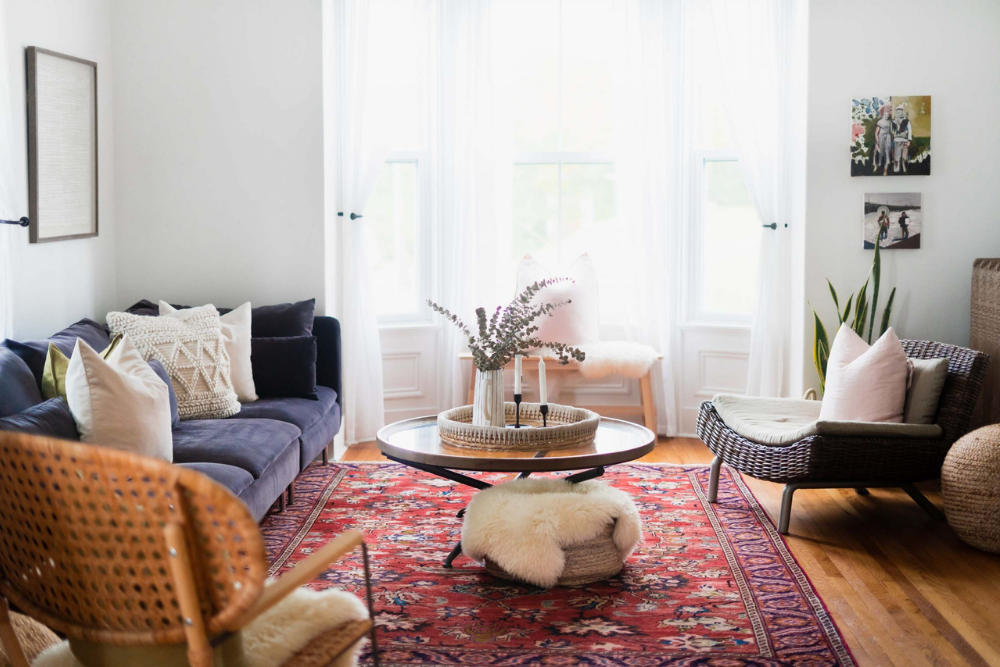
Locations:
(633, 360)
(276, 635)
(524, 525)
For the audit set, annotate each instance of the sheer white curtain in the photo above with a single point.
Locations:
(466, 239)
(353, 165)
(649, 159)
(752, 41)
(8, 200)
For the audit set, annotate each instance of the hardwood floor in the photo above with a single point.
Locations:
(901, 586)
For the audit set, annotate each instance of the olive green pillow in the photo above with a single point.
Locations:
(56, 363)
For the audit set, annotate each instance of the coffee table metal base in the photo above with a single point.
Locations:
(446, 473)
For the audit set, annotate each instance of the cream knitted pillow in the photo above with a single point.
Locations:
(190, 345)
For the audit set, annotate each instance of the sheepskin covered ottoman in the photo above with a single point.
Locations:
(550, 532)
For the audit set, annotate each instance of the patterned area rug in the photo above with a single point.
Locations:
(709, 585)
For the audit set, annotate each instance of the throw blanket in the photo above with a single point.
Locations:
(524, 525)
(633, 360)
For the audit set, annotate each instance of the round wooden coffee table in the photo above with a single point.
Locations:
(416, 443)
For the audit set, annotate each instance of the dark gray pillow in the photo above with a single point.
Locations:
(158, 368)
(283, 319)
(51, 418)
(18, 389)
(284, 367)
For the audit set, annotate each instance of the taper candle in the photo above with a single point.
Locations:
(517, 373)
(542, 392)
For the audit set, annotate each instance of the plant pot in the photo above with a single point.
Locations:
(487, 408)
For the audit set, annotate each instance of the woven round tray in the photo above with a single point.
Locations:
(594, 560)
(567, 427)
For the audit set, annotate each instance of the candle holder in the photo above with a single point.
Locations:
(544, 409)
(517, 411)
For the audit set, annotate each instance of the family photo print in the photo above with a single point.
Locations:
(894, 219)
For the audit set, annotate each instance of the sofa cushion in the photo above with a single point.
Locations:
(251, 444)
(34, 352)
(302, 412)
(18, 390)
(233, 478)
(50, 418)
(284, 366)
(316, 438)
(158, 368)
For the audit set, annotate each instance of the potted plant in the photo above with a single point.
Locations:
(507, 332)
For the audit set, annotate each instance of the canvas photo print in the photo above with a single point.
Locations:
(891, 136)
(893, 219)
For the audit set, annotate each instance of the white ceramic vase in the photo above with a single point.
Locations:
(487, 407)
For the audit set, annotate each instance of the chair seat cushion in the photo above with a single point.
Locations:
(303, 412)
(785, 421)
(251, 444)
(293, 632)
(233, 478)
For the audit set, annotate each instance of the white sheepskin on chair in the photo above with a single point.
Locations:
(633, 360)
(524, 525)
(276, 635)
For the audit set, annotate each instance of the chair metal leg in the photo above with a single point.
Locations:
(291, 493)
(281, 502)
(326, 457)
(923, 501)
(786, 507)
(713, 480)
(453, 555)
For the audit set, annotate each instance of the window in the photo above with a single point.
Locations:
(398, 212)
(723, 227)
(556, 64)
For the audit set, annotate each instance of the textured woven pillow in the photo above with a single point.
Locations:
(190, 345)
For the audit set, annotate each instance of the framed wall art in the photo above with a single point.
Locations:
(62, 146)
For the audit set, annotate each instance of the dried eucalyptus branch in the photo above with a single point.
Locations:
(510, 329)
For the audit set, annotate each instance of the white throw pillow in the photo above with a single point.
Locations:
(236, 331)
(865, 383)
(576, 322)
(190, 346)
(119, 402)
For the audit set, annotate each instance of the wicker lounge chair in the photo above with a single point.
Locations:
(823, 461)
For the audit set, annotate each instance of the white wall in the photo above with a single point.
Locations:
(57, 283)
(948, 50)
(219, 150)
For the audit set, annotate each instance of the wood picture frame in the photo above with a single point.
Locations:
(62, 146)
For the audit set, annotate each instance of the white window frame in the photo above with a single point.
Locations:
(694, 293)
(423, 235)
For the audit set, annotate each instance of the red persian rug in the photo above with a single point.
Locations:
(709, 584)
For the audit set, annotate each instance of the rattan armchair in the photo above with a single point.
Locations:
(137, 561)
(819, 461)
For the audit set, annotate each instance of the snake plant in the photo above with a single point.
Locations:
(862, 314)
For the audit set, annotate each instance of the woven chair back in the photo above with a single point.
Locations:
(82, 546)
(966, 371)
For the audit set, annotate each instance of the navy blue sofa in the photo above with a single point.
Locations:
(256, 453)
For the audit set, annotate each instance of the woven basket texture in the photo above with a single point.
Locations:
(971, 492)
(33, 636)
(984, 335)
(873, 459)
(82, 547)
(586, 562)
(567, 427)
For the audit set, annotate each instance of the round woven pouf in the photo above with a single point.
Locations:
(587, 562)
(969, 485)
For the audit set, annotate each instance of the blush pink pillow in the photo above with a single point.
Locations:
(865, 383)
(576, 322)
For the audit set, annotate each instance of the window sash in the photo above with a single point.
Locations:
(695, 310)
(422, 233)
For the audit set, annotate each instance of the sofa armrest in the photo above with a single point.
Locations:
(328, 355)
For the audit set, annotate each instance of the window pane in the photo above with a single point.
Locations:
(588, 59)
(731, 238)
(536, 212)
(391, 217)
